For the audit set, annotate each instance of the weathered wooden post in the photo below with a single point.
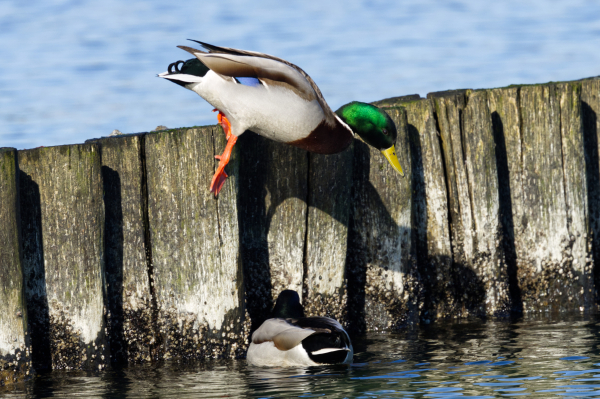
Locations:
(553, 263)
(430, 211)
(62, 219)
(272, 212)
(381, 263)
(198, 279)
(590, 111)
(329, 205)
(472, 179)
(15, 360)
(506, 123)
(131, 309)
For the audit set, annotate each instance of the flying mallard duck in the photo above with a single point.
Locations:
(290, 339)
(278, 100)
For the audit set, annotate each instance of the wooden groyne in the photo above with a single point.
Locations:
(115, 250)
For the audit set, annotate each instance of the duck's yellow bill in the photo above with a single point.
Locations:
(390, 154)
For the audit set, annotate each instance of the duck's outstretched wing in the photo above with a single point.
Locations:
(272, 70)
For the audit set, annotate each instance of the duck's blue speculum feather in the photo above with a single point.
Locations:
(252, 82)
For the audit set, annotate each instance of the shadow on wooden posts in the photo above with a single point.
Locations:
(506, 212)
(592, 174)
(34, 272)
(113, 246)
(254, 222)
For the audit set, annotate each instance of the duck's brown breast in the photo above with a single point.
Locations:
(325, 139)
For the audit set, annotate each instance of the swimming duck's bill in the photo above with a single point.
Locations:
(390, 155)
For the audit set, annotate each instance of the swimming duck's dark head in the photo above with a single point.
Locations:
(374, 126)
(193, 66)
(288, 306)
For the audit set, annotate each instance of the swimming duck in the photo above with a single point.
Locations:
(290, 339)
(278, 100)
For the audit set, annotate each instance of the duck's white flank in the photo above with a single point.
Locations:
(266, 354)
(271, 111)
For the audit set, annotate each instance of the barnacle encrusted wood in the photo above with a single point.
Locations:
(381, 265)
(128, 255)
(62, 219)
(329, 203)
(198, 279)
(273, 208)
(430, 211)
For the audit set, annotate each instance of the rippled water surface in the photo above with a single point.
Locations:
(476, 359)
(77, 69)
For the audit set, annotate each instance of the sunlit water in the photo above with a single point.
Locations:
(538, 358)
(72, 70)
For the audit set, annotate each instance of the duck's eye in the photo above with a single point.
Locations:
(385, 132)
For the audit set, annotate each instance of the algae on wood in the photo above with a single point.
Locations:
(15, 361)
(329, 203)
(272, 213)
(131, 332)
(382, 276)
(195, 246)
(62, 219)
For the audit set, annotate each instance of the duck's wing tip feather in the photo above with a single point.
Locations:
(191, 50)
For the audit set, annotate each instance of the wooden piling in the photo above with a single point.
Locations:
(329, 205)
(62, 219)
(430, 211)
(198, 280)
(131, 308)
(15, 359)
(273, 211)
(381, 263)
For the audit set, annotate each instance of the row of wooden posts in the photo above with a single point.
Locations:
(115, 250)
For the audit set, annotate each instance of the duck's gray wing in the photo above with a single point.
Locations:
(284, 335)
(215, 50)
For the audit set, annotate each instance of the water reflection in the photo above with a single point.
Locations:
(475, 359)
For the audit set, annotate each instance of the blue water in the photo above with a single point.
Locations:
(542, 358)
(72, 70)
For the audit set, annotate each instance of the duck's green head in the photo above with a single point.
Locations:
(374, 126)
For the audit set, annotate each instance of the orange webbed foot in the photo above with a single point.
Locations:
(218, 180)
(220, 176)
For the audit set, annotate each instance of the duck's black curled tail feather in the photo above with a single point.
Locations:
(216, 49)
